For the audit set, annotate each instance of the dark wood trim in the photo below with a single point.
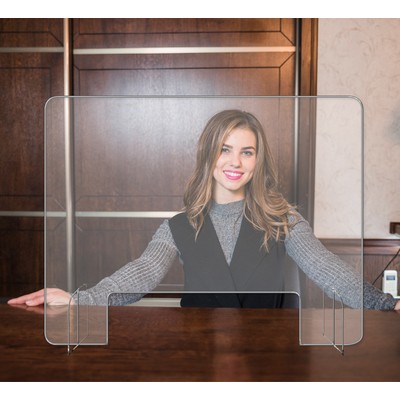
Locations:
(343, 246)
(308, 56)
(394, 228)
(307, 86)
(381, 246)
(370, 246)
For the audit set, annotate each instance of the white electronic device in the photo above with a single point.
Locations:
(389, 282)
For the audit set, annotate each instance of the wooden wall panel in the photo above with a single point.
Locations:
(180, 61)
(155, 82)
(120, 33)
(21, 255)
(249, 73)
(261, 73)
(32, 32)
(27, 79)
(258, 73)
(186, 39)
(30, 78)
(91, 26)
(377, 254)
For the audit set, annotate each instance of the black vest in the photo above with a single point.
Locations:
(252, 268)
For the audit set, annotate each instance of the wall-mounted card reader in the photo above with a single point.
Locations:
(389, 283)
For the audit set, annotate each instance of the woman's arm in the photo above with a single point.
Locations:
(328, 270)
(139, 276)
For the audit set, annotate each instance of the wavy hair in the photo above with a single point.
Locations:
(264, 206)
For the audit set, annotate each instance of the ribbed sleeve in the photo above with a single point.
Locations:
(329, 271)
(137, 277)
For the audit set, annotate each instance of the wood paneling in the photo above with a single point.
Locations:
(253, 74)
(27, 80)
(90, 26)
(377, 254)
(185, 39)
(32, 32)
(21, 254)
(181, 61)
(260, 73)
(120, 33)
(155, 82)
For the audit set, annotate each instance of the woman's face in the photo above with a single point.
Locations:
(235, 166)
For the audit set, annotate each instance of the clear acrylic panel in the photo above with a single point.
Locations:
(337, 222)
(116, 168)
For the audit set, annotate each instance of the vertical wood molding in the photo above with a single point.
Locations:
(307, 76)
(308, 56)
(68, 50)
(69, 156)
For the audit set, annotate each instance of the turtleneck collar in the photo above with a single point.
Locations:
(234, 208)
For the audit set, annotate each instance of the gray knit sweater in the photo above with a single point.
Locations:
(323, 267)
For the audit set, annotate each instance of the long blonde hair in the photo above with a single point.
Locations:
(264, 207)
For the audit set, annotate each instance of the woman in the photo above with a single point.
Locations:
(233, 234)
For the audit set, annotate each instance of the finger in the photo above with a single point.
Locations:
(25, 298)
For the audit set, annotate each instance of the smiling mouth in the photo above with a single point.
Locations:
(233, 175)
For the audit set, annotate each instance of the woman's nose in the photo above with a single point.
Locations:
(235, 160)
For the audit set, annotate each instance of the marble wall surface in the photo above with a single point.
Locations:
(360, 57)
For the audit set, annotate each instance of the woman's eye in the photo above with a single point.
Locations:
(248, 153)
(225, 150)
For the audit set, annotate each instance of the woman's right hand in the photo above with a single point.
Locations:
(54, 297)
